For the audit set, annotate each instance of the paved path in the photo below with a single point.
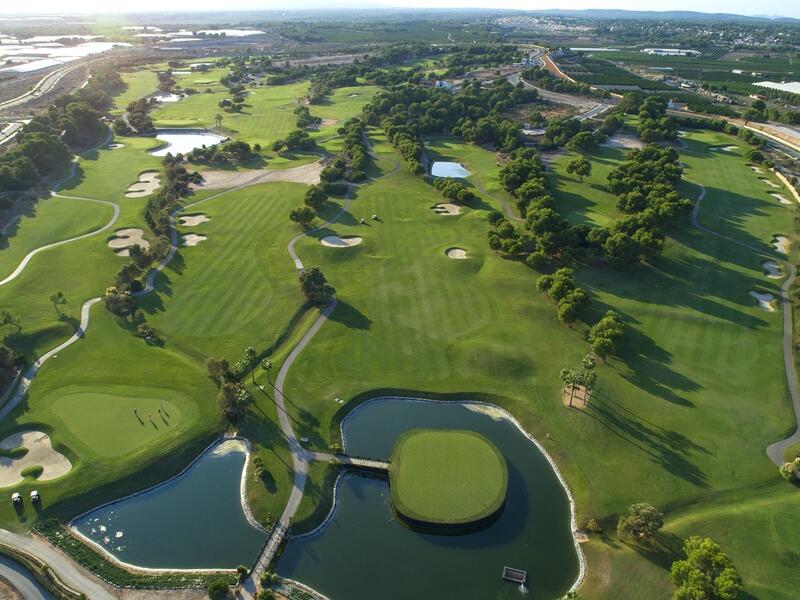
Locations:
(64, 567)
(775, 450)
(22, 580)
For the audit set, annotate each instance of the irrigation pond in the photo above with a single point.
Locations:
(363, 551)
(195, 521)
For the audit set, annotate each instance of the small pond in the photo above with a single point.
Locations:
(195, 521)
(364, 552)
(181, 142)
(168, 97)
(449, 169)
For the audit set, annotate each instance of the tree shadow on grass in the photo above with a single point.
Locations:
(349, 316)
(665, 447)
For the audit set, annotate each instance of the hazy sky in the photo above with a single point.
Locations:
(773, 7)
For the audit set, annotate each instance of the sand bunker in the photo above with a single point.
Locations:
(114, 146)
(624, 140)
(781, 244)
(770, 183)
(780, 198)
(147, 184)
(764, 300)
(456, 253)
(728, 148)
(40, 454)
(773, 271)
(308, 174)
(352, 95)
(191, 239)
(446, 208)
(334, 241)
(757, 169)
(125, 238)
(193, 220)
(682, 133)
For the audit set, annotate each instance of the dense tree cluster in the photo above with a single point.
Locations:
(483, 55)
(304, 117)
(604, 335)
(296, 140)
(706, 573)
(137, 117)
(571, 300)
(654, 124)
(454, 190)
(234, 152)
(544, 79)
(355, 151)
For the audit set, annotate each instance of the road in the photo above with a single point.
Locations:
(23, 580)
(590, 107)
(45, 85)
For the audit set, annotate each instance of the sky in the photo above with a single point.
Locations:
(790, 8)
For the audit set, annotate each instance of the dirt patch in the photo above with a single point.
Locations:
(147, 184)
(580, 397)
(40, 453)
(624, 140)
(325, 123)
(764, 300)
(125, 238)
(8, 591)
(193, 220)
(334, 241)
(308, 174)
(446, 208)
(456, 253)
(191, 239)
(772, 270)
(780, 198)
(781, 244)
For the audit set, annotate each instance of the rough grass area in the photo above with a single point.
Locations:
(447, 477)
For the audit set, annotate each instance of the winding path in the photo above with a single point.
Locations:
(775, 450)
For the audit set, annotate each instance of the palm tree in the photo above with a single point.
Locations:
(250, 356)
(58, 299)
(569, 377)
(266, 364)
(218, 119)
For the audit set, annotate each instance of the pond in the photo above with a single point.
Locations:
(363, 551)
(195, 521)
(168, 97)
(449, 169)
(181, 142)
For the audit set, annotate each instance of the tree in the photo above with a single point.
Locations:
(234, 399)
(582, 142)
(218, 589)
(580, 166)
(217, 369)
(315, 287)
(58, 299)
(641, 522)
(604, 335)
(569, 378)
(706, 573)
(266, 364)
(251, 356)
(9, 318)
(316, 197)
(303, 216)
(218, 120)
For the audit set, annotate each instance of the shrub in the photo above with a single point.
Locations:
(242, 572)
(33, 471)
(218, 589)
(593, 526)
(641, 522)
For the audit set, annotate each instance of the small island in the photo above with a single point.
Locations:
(449, 481)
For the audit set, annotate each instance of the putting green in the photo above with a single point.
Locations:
(107, 423)
(447, 477)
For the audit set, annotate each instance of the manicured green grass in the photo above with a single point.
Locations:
(447, 477)
(341, 105)
(140, 83)
(699, 375)
(50, 220)
(267, 114)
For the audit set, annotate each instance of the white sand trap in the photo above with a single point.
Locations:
(125, 238)
(446, 208)
(352, 95)
(764, 300)
(781, 244)
(40, 453)
(191, 239)
(115, 146)
(334, 241)
(147, 184)
(770, 183)
(682, 133)
(728, 148)
(308, 174)
(624, 140)
(780, 198)
(193, 220)
(773, 271)
(757, 169)
(456, 253)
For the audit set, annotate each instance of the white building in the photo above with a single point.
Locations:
(670, 52)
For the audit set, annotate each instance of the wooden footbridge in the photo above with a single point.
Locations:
(361, 463)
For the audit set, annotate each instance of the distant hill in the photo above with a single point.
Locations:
(672, 15)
